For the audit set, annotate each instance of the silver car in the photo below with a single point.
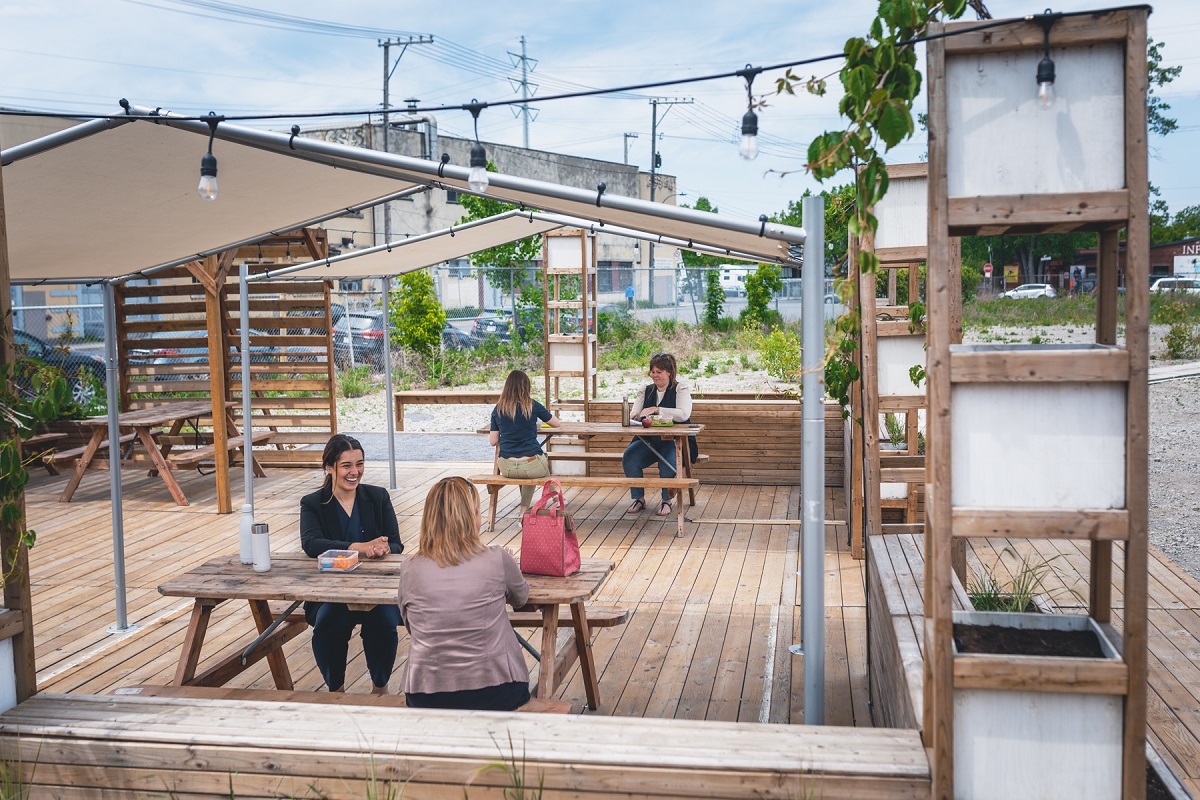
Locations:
(1031, 290)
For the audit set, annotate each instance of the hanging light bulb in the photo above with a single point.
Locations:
(1045, 69)
(208, 178)
(477, 178)
(748, 149)
(749, 146)
(207, 189)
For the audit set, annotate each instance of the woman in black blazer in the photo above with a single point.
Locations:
(345, 514)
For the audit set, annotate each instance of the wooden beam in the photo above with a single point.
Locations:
(1088, 524)
(198, 271)
(967, 214)
(897, 327)
(1109, 26)
(1041, 674)
(902, 255)
(218, 355)
(16, 588)
(1044, 366)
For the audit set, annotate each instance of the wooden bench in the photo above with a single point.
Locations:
(597, 617)
(79, 745)
(63, 456)
(675, 485)
(194, 457)
(412, 396)
(536, 705)
(35, 447)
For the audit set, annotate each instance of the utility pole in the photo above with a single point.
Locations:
(627, 137)
(527, 66)
(388, 69)
(656, 159)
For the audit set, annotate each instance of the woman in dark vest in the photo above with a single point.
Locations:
(346, 514)
(671, 399)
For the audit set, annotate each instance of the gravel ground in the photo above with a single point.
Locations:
(436, 432)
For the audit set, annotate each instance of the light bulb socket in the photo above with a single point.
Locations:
(478, 156)
(750, 123)
(1045, 71)
(208, 166)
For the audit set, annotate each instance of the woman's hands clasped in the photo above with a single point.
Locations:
(376, 548)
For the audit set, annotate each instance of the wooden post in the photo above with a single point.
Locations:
(857, 500)
(16, 590)
(218, 360)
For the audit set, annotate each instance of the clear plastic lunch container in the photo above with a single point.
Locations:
(337, 560)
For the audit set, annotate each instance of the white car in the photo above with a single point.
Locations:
(1031, 290)
(1184, 285)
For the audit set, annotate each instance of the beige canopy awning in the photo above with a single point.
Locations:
(113, 197)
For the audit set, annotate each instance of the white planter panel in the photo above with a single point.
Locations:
(1036, 745)
(8, 676)
(896, 355)
(566, 356)
(893, 491)
(903, 214)
(999, 140)
(1038, 445)
(566, 467)
(564, 252)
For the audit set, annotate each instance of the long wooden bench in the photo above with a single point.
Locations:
(195, 456)
(78, 745)
(63, 456)
(36, 447)
(440, 396)
(536, 705)
(675, 485)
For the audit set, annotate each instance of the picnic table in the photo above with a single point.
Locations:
(294, 577)
(144, 423)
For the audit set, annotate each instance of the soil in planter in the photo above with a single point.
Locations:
(1155, 788)
(1026, 642)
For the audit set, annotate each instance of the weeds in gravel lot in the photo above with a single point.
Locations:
(1074, 310)
(355, 382)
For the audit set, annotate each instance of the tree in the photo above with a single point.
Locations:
(761, 286)
(504, 265)
(714, 298)
(1158, 75)
(1024, 251)
(417, 315)
(839, 208)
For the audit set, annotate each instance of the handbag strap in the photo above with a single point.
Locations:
(551, 490)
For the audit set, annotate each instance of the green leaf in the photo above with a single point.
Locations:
(954, 8)
(895, 123)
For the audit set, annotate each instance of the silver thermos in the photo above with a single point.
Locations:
(625, 411)
(262, 547)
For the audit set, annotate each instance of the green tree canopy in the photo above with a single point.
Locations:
(417, 315)
(504, 265)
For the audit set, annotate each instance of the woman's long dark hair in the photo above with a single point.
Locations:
(338, 443)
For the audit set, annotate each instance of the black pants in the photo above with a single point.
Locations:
(503, 697)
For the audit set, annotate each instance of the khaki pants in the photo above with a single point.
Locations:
(536, 467)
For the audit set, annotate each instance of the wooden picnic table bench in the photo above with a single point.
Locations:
(411, 396)
(535, 705)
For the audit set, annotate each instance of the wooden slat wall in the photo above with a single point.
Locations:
(294, 390)
(754, 442)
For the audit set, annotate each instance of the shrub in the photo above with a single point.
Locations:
(1183, 335)
(714, 299)
(761, 286)
(417, 315)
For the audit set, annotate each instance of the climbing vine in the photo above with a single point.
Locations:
(880, 81)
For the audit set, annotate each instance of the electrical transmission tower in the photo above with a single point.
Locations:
(528, 89)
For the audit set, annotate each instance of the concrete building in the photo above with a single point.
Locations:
(621, 261)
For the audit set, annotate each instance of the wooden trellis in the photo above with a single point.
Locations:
(1039, 441)
(889, 345)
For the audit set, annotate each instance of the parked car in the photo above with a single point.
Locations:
(198, 355)
(366, 338)
(84, 373)
(455, 339)
(1184, 285)
(336, 312)
(1031, 290)
(498, 325)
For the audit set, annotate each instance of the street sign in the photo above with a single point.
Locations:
(987, 270)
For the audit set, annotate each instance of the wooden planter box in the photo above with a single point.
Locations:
(1053, 743)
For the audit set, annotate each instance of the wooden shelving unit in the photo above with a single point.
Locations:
(569, 316)
(1039, 441)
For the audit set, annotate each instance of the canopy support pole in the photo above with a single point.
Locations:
(113, 391)
(388, 396)
(812, 470)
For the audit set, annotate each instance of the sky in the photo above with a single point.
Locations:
(196, 56)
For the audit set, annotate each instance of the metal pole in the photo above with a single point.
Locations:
(113, 389)
(812, 470)
(244, 361)
(387, 382)
(349, 327)
(653, 181)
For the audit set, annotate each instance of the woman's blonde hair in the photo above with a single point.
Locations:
(514, 395)
(450, 522)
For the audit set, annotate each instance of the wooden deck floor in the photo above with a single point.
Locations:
(714, 612)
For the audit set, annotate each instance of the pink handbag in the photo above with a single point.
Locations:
(548, 542)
